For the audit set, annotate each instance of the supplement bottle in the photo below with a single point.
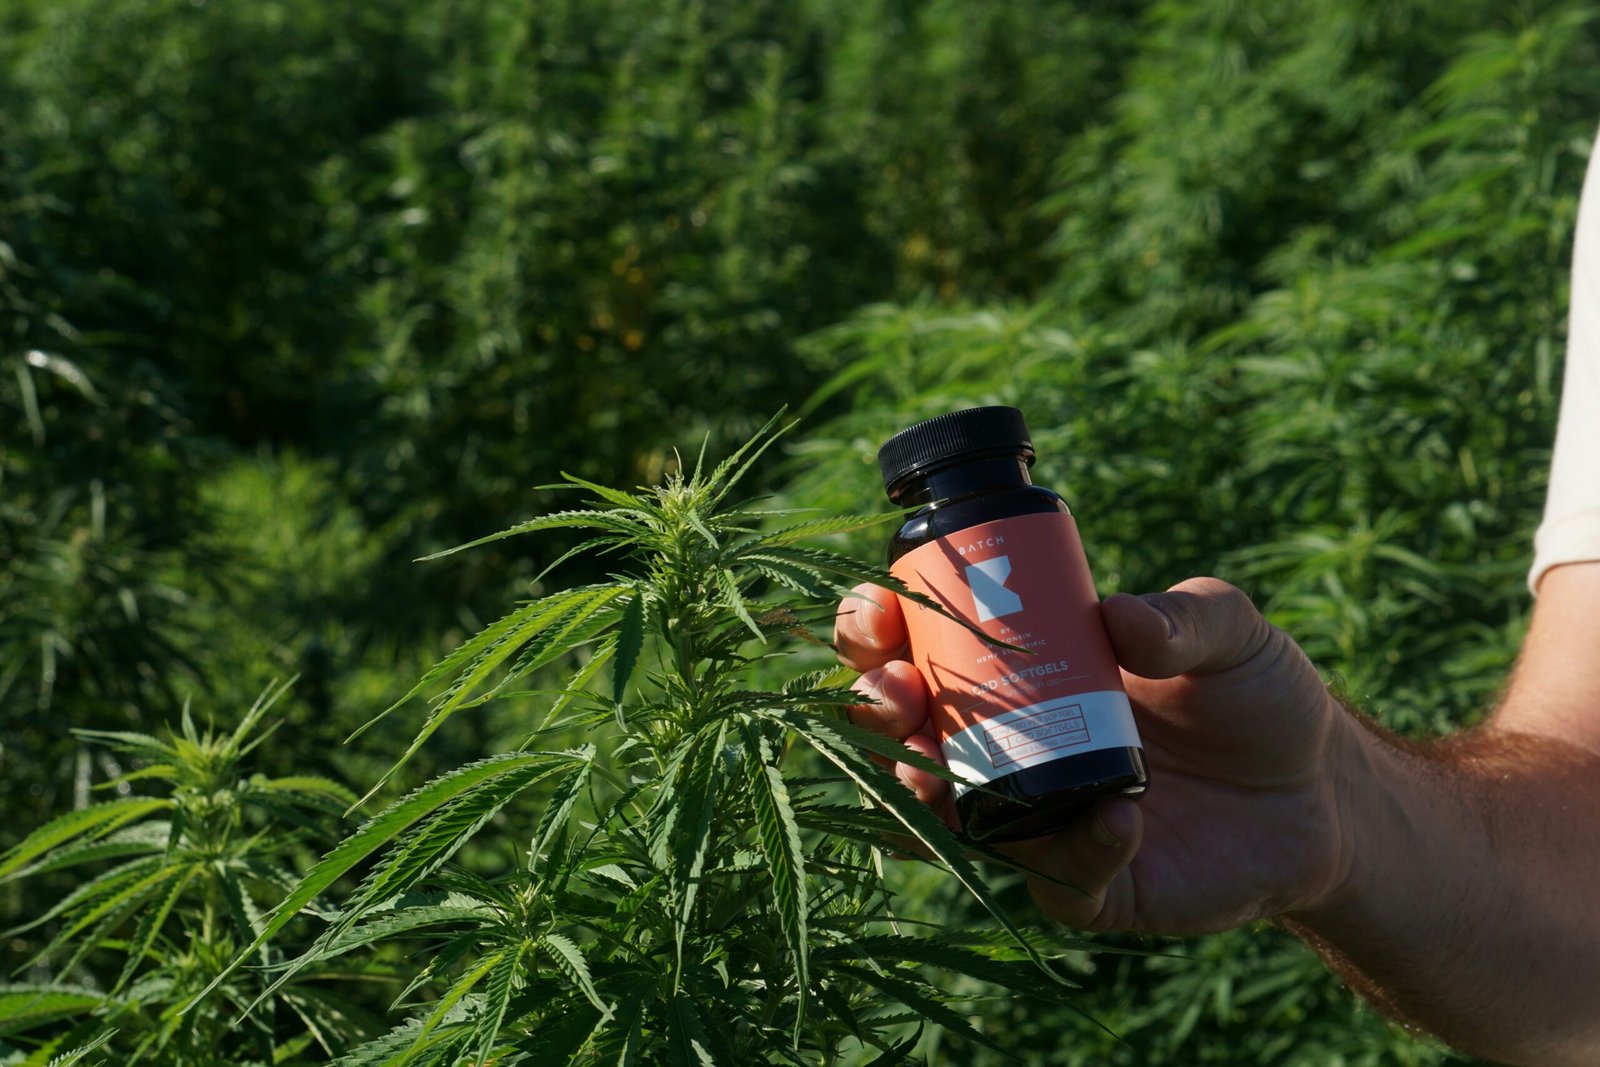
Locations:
(1046, 730)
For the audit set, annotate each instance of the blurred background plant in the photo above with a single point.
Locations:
(291, 295)
(168, 890)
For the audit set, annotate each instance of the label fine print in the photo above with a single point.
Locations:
(1024, 581)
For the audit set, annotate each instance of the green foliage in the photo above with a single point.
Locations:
(168, 888)
(683, 899)
(1325, 439)
(291, 295)
(89, 522)
(1303, 336)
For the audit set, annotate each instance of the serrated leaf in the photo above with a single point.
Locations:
(801, 580)
(557, 810)
(1020, 976)
(857, 573)
(856, 823)
(406, 1042)
(138, 839)
(888, 793)
(690, 1043)
(99, 887)
(377, 832)
(466, 656)
(155, 770)
(240, 906)
(560, 520)
(383, 1049)
(497, 998)
(24, 1006)
(828, 678)
(437, 837)
(924, 1001)
(560, 1034)
(264, 702)
(730, 471)
(688, 828)
(150, 924)
(697, 524)
(453, 997)
(569, 959)
(383, 925)
(898, 1054)
(876, 743)
(833, 524)
(583, 625)
(438, 962)
(780, 841)
(97, 820)
(630, 642)
(563, 615)
(622, 499)
(592, 546)
(310, 784)
(620, 1041)
(77, 1055)
(840, 1011)
(136, 744)
(108, 910)
(733, 600)
(819, 559)
(576, 687)
(321, 1015)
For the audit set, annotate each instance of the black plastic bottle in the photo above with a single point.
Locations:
(1044, 731)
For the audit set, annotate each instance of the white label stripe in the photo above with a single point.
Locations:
(1065, 726)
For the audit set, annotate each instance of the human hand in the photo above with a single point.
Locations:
(1242, 819)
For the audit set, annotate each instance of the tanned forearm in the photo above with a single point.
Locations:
(1470, 903)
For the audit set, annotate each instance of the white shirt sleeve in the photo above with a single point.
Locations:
(1570, 532)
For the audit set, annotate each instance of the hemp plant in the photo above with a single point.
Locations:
(173, 885)
(700, 882)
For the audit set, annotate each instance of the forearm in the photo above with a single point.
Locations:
(1469, 902)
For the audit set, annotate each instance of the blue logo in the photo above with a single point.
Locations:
(987, 580)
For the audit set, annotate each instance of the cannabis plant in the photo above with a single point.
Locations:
(172, 885)
(698, 883)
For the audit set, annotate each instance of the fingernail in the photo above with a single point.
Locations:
(870, 686)
(864, 635)
(1101, 835)
(1154, 600)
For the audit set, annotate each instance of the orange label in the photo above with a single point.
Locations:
(1024, 581)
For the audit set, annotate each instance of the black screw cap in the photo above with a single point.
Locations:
(959, 435)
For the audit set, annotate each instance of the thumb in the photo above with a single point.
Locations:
(1200, 626)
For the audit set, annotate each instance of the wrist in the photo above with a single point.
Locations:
(1361, 817)
(1396, 830)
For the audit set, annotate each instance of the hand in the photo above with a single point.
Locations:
(1242, 819)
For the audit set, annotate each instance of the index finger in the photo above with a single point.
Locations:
(868, 628)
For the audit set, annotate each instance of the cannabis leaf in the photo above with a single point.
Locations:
(684, 895)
